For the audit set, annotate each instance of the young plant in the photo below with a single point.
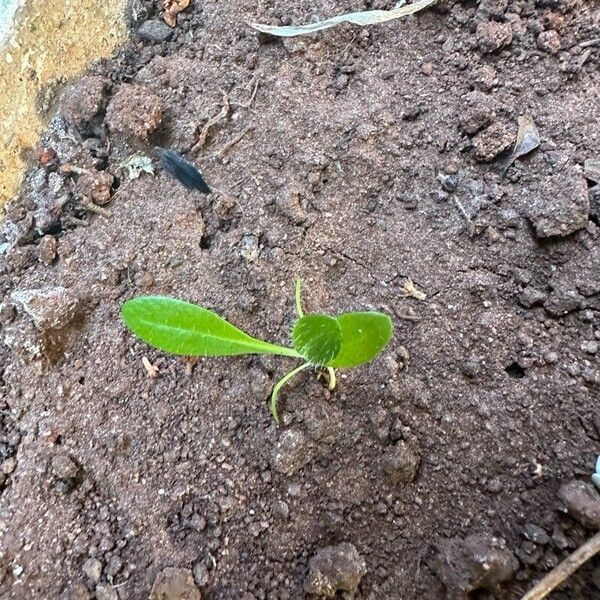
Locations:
(596, 475)
(321, 341)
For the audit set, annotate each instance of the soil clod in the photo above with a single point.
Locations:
(335, 569)
(479, 562)
(582, 501)
(175, 584)
(134, 110)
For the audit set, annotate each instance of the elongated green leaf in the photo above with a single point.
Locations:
(364, 336)
(317, 338)
(368, 17)
(187, 329)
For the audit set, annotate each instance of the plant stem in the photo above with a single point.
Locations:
(279, 385)
(269, 348)
(332, 380)
(564, 569)
(298, 300)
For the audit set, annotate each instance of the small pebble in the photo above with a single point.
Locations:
(64, 467)
(154, 30)
(590, 347)
(471, 368)
(427, 68)
(561, 302)
(549, 41)
(531, 296)
(175, 584)
(9, 465)
(47, 249)
(536, 534)
(495, 486)
(201, 574)
(492, 36)
(92, 567)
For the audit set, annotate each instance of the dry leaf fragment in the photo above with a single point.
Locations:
(151, 369)
(172, 9)
(410, 290)
(190, 363)
(528, 139)
(368, 17)
(137, 164)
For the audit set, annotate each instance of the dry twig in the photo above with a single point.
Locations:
(248, 104)
(151, 369)
(410, 290)
(236, 140)
(94, 208)
(566, 568)
(211, 123)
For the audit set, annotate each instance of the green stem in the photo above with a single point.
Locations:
(298, 300)
(279, 385)
(269, 348)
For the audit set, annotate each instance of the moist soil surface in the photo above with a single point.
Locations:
(361, 160)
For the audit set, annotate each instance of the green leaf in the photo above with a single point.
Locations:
(364, 336)
(368, 17)
(187, 329)
(317, 338)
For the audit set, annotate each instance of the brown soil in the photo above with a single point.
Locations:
(364, 154)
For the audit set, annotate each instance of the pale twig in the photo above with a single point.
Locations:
(465, 214)
(236, 140)
(588, 43)
(211, 123)
(151, 369)
(252, 95)
(229, 197)
(94, 208)
(411, 291)
(566, 568)
(190, 362)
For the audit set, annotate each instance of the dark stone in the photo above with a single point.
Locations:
(582, 502)
(535, 534)
(154, 30)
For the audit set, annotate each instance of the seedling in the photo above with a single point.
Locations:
(596, 475)
(323, 342)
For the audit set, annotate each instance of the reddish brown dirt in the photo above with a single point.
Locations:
(361, 148)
